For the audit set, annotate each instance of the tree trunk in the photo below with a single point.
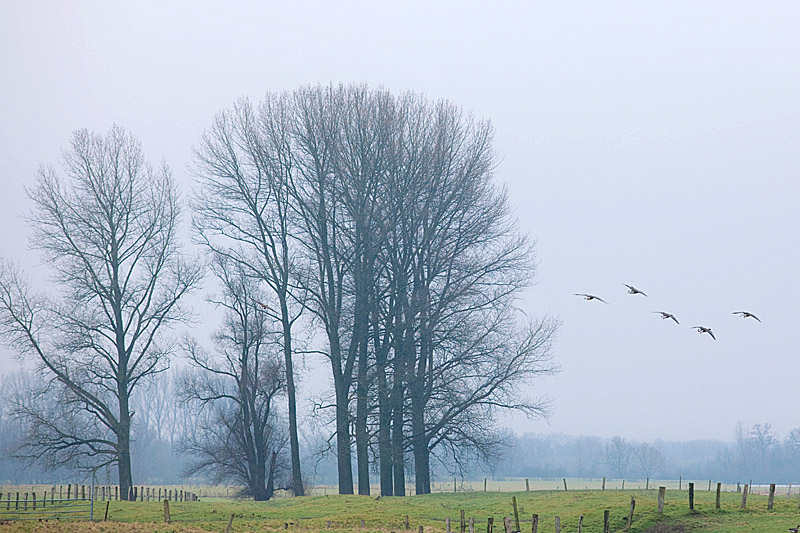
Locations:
(419, 443)
(398, 463)
(124, 463)
(271, 479)
(362, 435)
(343, 451)
(384, 434)
(294, 443)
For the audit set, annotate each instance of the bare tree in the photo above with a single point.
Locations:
(616, 455)
(650, 458)
(243, 167)
(239, 382)
(109, 231)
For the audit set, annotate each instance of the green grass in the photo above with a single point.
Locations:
(311, 513)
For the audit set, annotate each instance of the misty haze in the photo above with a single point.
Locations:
(260, 252)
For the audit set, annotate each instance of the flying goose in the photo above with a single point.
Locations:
(665, 315)
(633, 290)
(590, 297)
(745, 314)
(703, 329)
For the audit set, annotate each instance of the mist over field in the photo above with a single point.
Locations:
(398, 244)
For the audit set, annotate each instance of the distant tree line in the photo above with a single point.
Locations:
(340, 221)
(756, 453)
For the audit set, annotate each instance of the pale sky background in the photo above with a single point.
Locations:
(651, 143)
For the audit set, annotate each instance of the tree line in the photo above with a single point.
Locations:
(347, 222)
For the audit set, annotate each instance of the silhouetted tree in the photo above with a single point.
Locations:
(109, 232)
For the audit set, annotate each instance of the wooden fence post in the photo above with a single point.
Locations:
(647, 484)
(606, 521)
(680, 483)
(535, 523)
(484, 484)
(230, 524)
(406, 523)
(623, 484)
(604, 483)
(447, 521)
(580, 524)
(507, 524)
(769, 502)
(719, 489)
(662, 492)
(105, 517)
(26, 501)
(565, 484)
(630, 514)
(489, 525)
(744, 496)
(516, 514)
(69, 491)
(34, 501)
(471, 525)
(166, 511)
(527, 485)
(463, 522)
(691, 496)
(709, 485)
(558, 524)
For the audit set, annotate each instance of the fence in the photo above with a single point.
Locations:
(28, 507)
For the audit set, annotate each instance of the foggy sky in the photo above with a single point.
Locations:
(655, 145)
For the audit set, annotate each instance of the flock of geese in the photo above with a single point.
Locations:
(664, 314)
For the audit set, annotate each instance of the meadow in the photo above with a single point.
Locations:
(336, 513)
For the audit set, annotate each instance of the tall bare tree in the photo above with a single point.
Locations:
(239, 381)
(243, 166)
(109, 231)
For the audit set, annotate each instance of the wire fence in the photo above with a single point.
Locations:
(25, 509)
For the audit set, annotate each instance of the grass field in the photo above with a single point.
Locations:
(311, 513)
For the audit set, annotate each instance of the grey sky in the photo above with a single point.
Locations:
(652, 144)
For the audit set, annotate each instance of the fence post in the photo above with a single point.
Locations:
(565, 484)
(406, 523)
(769, 502)
(484, 484)
(630, 514)
(447, 521)
(166, 511)
(16, 504)
(507, 524)
(580, 524)
(680, 483)
(604, 483)
(108, 502)
(463, 522)
(516, 514)
(744, 496)
(26, 501)
(709, 485)
(605, 520)
(535, 524)
(69, 491)
(558, 524)
(662, 493)
(719, 489)
(471, 525)
(691, 496)
(647, 484)
(34, 501)
(489, 525)
(623, 484)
